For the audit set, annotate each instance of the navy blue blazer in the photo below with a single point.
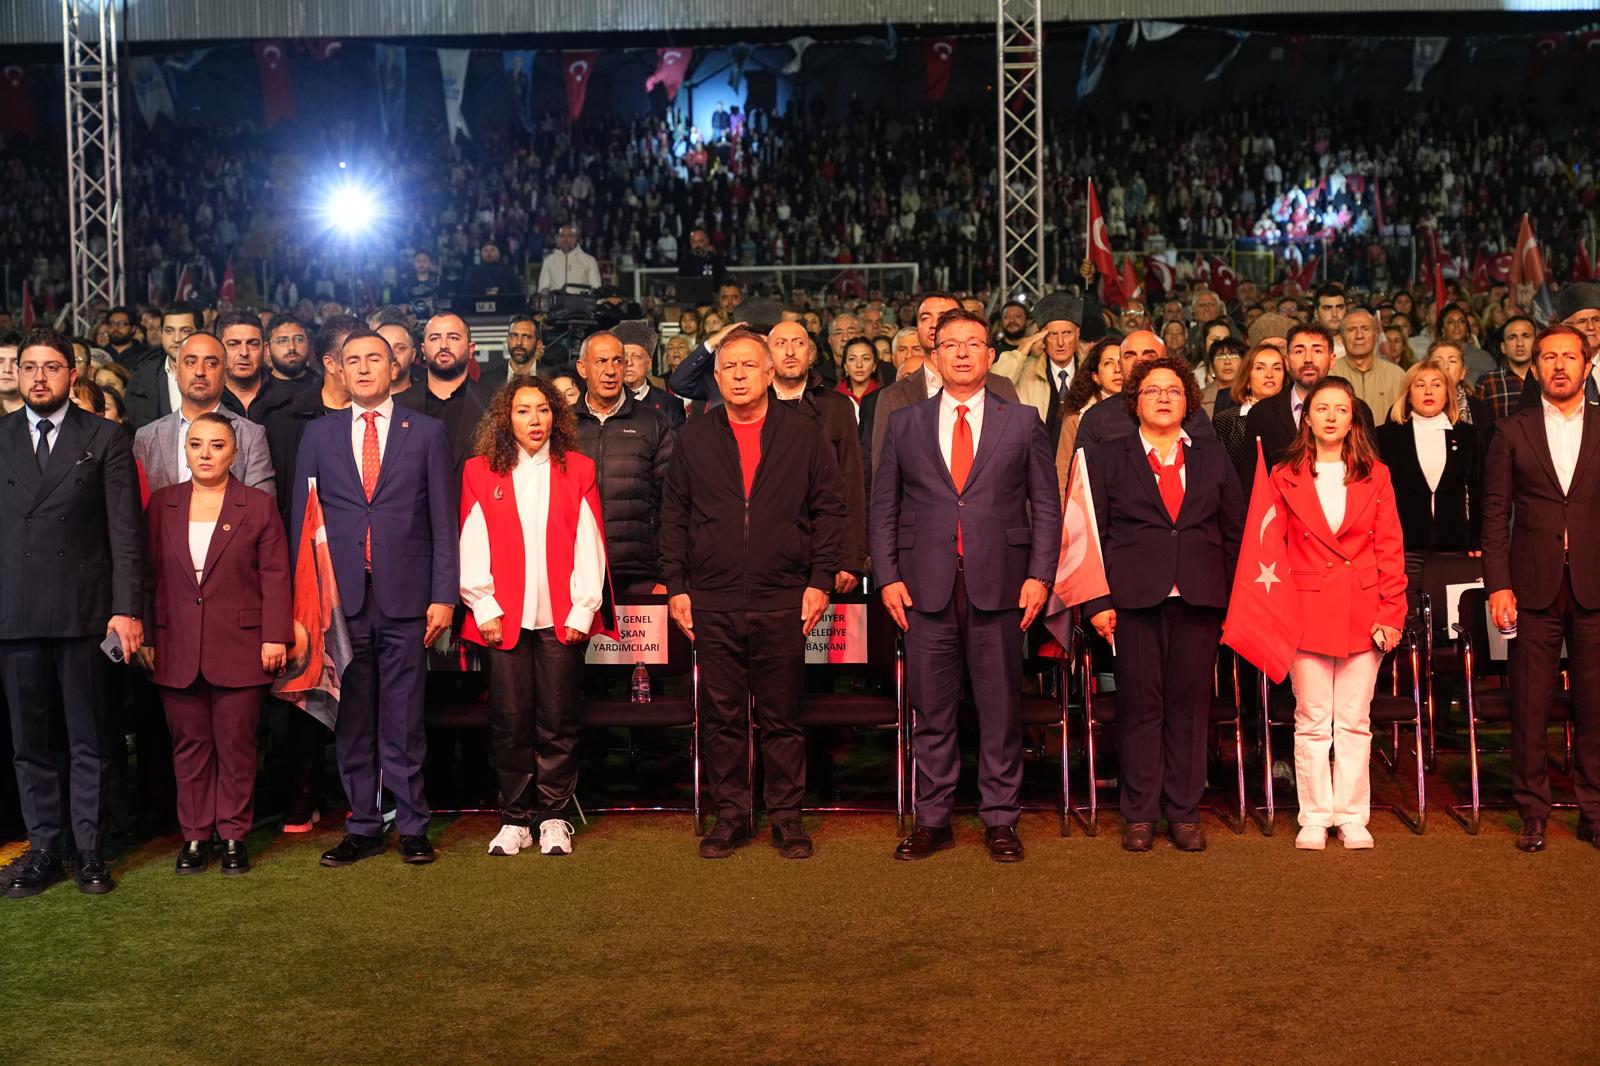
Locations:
(1010, 510)
(1146, 552)
(411, 516)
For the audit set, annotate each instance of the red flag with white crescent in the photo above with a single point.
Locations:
(1099, 251)
(321, 650)
(1159, 276)
(1224, 280)
(1263, 621)
(1582, 265)
(671, 66)
(1081, 567)
(1131, 289)
(938, 55)
(277, 91)
(27, 305)
(186, 289)
(577, 68)
(18, 116)
(225, 290)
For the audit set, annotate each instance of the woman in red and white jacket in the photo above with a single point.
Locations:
(533, 573)
(1347, 564)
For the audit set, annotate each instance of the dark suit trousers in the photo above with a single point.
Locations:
(214, 756)
(50, 685)
(378, 736)
(745, 655)
(1535, 671)
(1166, 656)
(942, 648)
(533, 725)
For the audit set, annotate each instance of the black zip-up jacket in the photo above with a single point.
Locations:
(733, 554)
(284, 428)
(630, 450)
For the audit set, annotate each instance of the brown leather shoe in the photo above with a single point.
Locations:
(1003, 843)
(1187, 836)
(923, 842)
(1531, 838)
(1138, 836)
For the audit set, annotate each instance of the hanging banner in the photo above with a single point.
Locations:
(578, 68)
(1425, 55)
(519, 73)
(671, 66)
(1102, 35)
(17, 113)
(390, 60)
(1152, 30)
(453, 75)
(150, 90)
(1239, 37)
(938, 56)
(799, 44)
(277, 90)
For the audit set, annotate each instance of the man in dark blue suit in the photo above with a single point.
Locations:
(384, 477)
(965, 532)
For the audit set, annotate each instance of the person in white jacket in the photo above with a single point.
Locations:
(568, 264)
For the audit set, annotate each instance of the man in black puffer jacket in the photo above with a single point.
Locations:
(630, 444)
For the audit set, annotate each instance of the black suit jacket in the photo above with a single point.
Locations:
(1272, 423)
(1531, 392)
(1147, 553)
(1526, 515)
(73, 536)
(1450, 518)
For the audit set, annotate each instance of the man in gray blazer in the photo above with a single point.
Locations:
(159, 447)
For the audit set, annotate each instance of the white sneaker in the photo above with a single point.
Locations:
(1355, 837)
(1312, 838)
(510, 840)
(555, 838)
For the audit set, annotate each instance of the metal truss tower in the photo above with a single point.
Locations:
(1020, 101)
(94, 154)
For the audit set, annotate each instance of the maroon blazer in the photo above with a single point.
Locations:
(214, 628)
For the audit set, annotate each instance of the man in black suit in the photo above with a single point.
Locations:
(448, 394)
(1541, 521)
(1577, 306)
(639, 341)
(1275, 421)
(523, 350)
(71, 575)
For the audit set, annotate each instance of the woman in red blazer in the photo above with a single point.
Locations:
(533, 572)
(1347, 564)
(221, 620)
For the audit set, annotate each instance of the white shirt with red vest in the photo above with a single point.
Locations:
(582, 562)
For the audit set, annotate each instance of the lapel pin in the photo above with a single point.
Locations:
(226, 528)
(498, 494)
(405, 425)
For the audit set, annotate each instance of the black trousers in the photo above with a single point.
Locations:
(745, 654)
(57, 686)
(1535, 670)
(1164, 665)
(533, 725)
(302, 757)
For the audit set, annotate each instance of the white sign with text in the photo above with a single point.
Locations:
(644, 638)
(840, 636)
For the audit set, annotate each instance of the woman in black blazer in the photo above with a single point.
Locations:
(1435, 461)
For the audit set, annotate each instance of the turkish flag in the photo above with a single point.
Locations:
(938, 54)
(321, 648)
(17, 114)
(1099, 252)
(577, 68)
(1159, 277)
(1582, 266)
(1527, 263)
(1224, 280)
(277, 91)
(225, 290)
(185, 290)
(152, 294)
(671, 65)
(1081, 567)
(1263, 621)
(1130, 280)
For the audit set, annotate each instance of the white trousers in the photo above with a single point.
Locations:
(1333, 713)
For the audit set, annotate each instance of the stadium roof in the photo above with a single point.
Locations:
(35, 22)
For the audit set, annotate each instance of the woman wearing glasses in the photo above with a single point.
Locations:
(1170, 515)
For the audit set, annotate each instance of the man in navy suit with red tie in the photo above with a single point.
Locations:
(384, 477)
(965, 531)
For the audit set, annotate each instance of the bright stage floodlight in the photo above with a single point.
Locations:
(352, 209)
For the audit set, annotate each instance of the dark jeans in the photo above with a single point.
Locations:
(745, 654)
(533, 725)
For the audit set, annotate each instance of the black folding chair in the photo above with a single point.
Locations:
(1439, 572)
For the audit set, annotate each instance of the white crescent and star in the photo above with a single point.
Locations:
(943, 49)
(1101, 242)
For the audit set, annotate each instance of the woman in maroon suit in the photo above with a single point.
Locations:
(221, 621)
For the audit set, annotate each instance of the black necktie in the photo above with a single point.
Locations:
(42, 453)
(1061, 382)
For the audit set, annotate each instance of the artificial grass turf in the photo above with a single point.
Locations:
(1440, 948)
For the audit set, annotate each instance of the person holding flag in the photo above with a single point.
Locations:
(1169, 518)
(1320, 596)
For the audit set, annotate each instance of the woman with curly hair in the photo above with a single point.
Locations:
(533, 573)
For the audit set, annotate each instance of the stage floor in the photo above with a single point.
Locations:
(1439, 948)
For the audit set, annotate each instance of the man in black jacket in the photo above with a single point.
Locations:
(71, 576)
(630, 445)
(751, 524)
(448, 393)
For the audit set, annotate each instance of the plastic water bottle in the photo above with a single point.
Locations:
(639, 690)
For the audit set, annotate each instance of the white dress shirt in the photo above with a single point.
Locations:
(1183, 473)
(358, 427)
(56, 418)
(530, 481)
(931, 380)
(947, 421)
(1061, 376)
(1565, 434)
(174, 396)
(1331, 492)
(599, 415)
(1430, 432)
(199, 545)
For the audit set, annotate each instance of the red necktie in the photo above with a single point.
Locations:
(960, 460)
(370, 463)
(1170, 479)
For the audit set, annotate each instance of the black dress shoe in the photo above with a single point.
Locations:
(235, 859)
(94, 877)
(193, 857)
(1003, 842)
(1138, 836)
(924, 841)
(352, 849)
(727, 836)
(1589, 832)
(39, 870)
(789, 836)
(416, 850)
(1187, 836)
(1531, 838)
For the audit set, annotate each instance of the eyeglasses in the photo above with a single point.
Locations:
(1156, 392)
(49, 370)
(948, 348)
